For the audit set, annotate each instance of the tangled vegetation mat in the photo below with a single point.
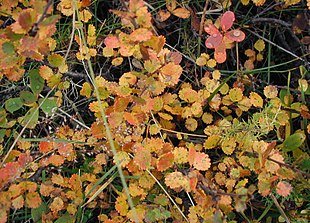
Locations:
(157, 111)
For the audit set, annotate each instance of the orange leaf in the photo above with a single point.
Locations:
(112, 42)
(176, 180)
(235, 35)
(201, 161)
(56, 160)
(33, 199)
(57, 204)
(143, 157)
(165, 161)
(18, 202)
(220, 54)
(130, 118)
(140, 35)
(182, 13)
(284, 188)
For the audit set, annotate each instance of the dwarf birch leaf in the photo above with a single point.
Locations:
(191, 124)
(55, 60)
(33, 199)
(162, 15)
(182, 13)
(142, 157)
(256, 99)
(270, 91)
(176, 180)
(165, 161)
(235, 94)
(284, 188)
(201, 161)
(212, 141)
(259, 45)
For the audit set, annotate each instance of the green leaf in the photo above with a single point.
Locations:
(2, 134)
(66, 218)
(13, 104)
(36, 81)
(305, 164)
(8, 48)
(31, 116)
(293, 142)
(55, 60)
(36, 213)
(48, 106)
(283, 93)
(27, 98)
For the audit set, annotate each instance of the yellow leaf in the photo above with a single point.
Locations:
(191, 124)
(211, 63)
(181, 13)
(259, 45)
(201, 61)
(86, 90)
(117, 61)
(270, 91)
(256, 100)
(107, 52)
(235, 94)
(245, 2)
(212, 141)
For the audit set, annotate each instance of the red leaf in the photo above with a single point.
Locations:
(215, 38)
(165, 161)
(227, 20)
(235, 35)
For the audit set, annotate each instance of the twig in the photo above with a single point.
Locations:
(201, 26)
(271, 20)
(35, 28)
(287, 220)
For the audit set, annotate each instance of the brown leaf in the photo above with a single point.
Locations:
(162, 15)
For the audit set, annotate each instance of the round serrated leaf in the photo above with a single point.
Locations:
(27, 98)
(30, 120)
(293, 142)
(36, 81)
(13, 104)
(48, 106)
(8, 48)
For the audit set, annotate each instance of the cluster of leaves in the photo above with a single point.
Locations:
(190, 152)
